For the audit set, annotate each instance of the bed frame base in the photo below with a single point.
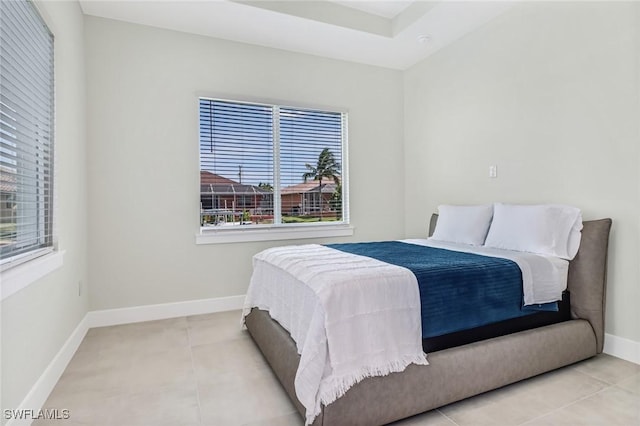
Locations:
(453, 374)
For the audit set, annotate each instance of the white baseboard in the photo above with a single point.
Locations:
(108, 317)
(40, 391)
(622, 348)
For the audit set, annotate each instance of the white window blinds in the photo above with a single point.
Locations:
(26, 131)
(310, 165)
(236, 140)
(269, 164)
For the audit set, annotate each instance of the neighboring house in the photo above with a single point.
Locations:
(304, 198)
(220, 196)
(223, 199)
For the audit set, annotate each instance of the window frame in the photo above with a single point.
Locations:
(20, 270)
(281, 231)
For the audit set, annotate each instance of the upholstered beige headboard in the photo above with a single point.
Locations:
(587, 275)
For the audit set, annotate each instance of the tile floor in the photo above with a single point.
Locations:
(203, 370)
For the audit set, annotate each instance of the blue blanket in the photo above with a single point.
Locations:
(458, 291)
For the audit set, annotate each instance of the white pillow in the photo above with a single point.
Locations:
(575, 236)
(463, 224)
(548, 229)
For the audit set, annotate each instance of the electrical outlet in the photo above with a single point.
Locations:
(493, 171)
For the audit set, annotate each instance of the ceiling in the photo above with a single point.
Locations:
(393, 34)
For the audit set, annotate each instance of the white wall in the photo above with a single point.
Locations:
(548, 92)
(143, 154)
(38, 320)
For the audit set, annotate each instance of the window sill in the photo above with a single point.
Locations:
(223, 236)
(21, 276)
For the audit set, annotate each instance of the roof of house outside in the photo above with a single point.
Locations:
(328, 187)
(219, 185)
(208, 177)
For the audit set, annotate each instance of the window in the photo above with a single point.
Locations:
(26, 133)
(266, 166)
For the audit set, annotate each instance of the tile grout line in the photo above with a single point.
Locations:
(569, 404)
(447, 417)
(598, 378)
(193, 367)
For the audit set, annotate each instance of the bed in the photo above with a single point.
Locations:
(462, 371)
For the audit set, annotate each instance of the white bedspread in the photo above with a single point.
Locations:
(351, 316)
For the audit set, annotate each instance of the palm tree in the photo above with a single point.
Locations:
(327, 167)
(266, 186)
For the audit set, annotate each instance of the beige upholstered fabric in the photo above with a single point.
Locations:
(432, 224)
(588, 277)
(461, 372)
(453, 374)
(278, 348)
(464, 371)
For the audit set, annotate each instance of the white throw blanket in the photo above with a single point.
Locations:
(351, 316)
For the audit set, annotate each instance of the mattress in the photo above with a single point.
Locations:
(500, 328)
